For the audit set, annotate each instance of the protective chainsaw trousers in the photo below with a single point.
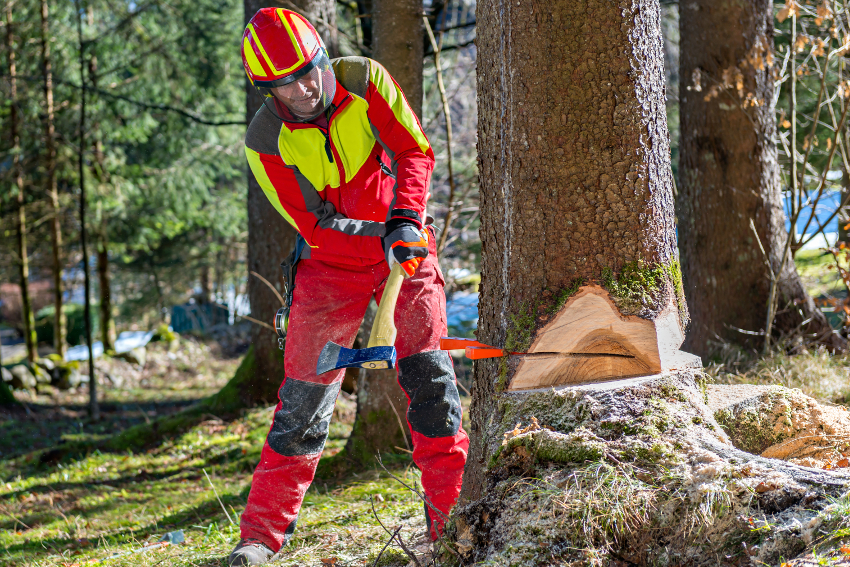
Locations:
(329, 304)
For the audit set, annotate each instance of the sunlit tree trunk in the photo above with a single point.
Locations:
(59, 330)
(270, 237)
(17, 171)
(576, 192)
(729, 176)
(397, 43)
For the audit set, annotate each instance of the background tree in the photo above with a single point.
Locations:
(729, 176)
(18, 174)
(270, 237)
(575, 180)
(398, 44)
(59, 332)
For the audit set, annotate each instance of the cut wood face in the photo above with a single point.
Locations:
(590, 341)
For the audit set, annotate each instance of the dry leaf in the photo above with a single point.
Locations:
(328, 561)
(845, 549)
(765, 487)
(786, 124)
(824, 13)
(843, 463)
(790, 9)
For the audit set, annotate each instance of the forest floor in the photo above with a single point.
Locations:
(114, 508)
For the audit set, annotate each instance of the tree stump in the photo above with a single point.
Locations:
(638, 472)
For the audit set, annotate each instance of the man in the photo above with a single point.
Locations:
(339, 153)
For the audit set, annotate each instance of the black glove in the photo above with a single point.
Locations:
(405, 244)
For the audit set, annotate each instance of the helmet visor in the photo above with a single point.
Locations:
(309, 95)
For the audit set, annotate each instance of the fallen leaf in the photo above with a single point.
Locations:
(843, 463)
(328, 561)
(765, 487)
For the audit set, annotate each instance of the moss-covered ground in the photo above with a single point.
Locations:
(112, 508)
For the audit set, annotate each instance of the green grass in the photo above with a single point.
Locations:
(110, 504)
(105, 506)
(820, 281)
(815, 372)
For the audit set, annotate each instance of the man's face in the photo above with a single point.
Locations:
(303, 96)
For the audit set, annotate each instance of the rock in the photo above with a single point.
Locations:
(136, 356)
(47, 364)
(22, 377)
(41, 375)
(6, 375)
(66, 376)
(637, 472)
(782, 423)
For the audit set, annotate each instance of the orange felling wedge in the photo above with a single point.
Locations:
(454, 343)
(481, 352)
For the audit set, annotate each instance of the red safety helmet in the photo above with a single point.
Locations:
(280, 48)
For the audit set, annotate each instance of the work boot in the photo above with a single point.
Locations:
(250, 552)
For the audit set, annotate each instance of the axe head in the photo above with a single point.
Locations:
(334, 357)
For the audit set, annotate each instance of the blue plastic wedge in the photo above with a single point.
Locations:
(334, 357)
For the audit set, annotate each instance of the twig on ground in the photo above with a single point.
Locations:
(428, 503)
(400, 423)
(386, 545)
(396, 534)
(226, 513)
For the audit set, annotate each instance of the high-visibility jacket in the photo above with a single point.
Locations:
(338, 185)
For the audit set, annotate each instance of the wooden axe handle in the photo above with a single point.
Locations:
(383, 329)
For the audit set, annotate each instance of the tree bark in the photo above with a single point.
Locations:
(729, 176)
(59, 330)
(844, 215)
(21, 220)
(107, 323)
(270, 237)
(575, 179)
(398, 44)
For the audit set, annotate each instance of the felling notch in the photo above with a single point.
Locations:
(588, 340)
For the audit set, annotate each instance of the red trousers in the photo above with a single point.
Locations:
(329, 304)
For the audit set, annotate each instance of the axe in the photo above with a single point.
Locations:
(380, 352)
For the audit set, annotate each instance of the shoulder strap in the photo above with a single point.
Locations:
(353, 74)
(263, 132)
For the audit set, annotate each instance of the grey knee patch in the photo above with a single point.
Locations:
(429, 380)
(301, 424)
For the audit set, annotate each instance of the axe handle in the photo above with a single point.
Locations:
(383, 329)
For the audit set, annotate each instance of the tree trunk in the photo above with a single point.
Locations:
(59, 330)
(107, 323)
(730, 176)
(397, 39)
(21, 220)
(398, 45)
(579, 258)
(576, 203)
(270, 237)
(94, 407)
(380, 423)
(844, 215)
